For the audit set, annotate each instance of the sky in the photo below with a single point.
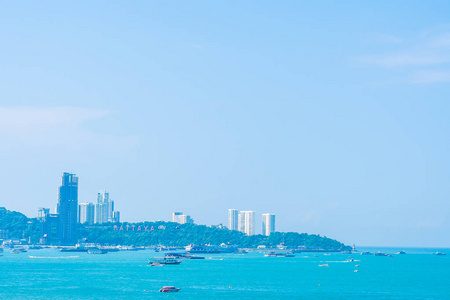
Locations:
(333, 116)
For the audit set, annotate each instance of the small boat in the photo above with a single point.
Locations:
(324, 265)
(380, 254)
(357, 266)
(169, 289)
(160, 261)
(439, 253)
(350, 259)
(401, 252)
(366, 253)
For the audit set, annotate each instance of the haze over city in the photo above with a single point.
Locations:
(334, 118)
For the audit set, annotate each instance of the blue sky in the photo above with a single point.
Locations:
(332, 116)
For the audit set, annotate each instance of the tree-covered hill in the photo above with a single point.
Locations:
(164, 233)
(173, 234)
(18, 225)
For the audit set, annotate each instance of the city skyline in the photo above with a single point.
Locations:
(327, 114)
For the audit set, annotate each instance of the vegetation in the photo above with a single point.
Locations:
(165, 233)
(19, 226)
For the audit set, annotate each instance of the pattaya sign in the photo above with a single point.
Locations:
(137, 228)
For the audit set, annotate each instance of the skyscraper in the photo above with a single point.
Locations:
(116, 216)
(68, 209)
(86, 213)
(101, 208)
(246, 220)
(186, 219)
(42, 212)
(176, 216)
(233, 219)
(268, 224)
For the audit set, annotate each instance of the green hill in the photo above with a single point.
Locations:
(164, 233)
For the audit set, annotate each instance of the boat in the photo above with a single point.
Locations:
(401, 252)
(366, 253)
(77, 248)
(439, 253)
(273, 254)
(202, 249)
(167, 260)
(380, 254)
(34, 247)
(96, 251)
(324, 265)
(169, 289)
(18, 250)
(184, 256)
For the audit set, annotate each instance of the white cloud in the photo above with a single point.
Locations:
(27, 121)
(57, 128)
(416, 56)
(405, 59)
(431, 76)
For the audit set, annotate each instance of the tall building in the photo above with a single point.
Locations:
(233, 219)
(116, 216)
(68, 209)
(186, 219)
(176, 216)
(86, 213)
(268, 224)
(110, 213)
(101, 208)
(42, 212)
(246, 220)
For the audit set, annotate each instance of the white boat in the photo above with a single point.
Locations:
(160, 261)
(324, 265)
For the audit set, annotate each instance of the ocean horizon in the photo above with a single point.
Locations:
(50, 274)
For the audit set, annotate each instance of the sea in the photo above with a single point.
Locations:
(50, 274)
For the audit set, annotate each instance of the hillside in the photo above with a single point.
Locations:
(164, 233)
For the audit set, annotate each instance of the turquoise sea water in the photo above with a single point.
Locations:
(50, 274)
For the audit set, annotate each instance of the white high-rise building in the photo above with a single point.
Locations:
(86, 213)
(176, 216)
(101, 209)
(186, 219)
(268, 224)
(233, 219)
(104, 209)
(246, 220)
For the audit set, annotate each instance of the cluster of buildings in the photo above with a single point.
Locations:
(179, 217)
(62, 226)
(244, 221)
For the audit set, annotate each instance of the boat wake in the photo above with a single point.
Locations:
(57, 257)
